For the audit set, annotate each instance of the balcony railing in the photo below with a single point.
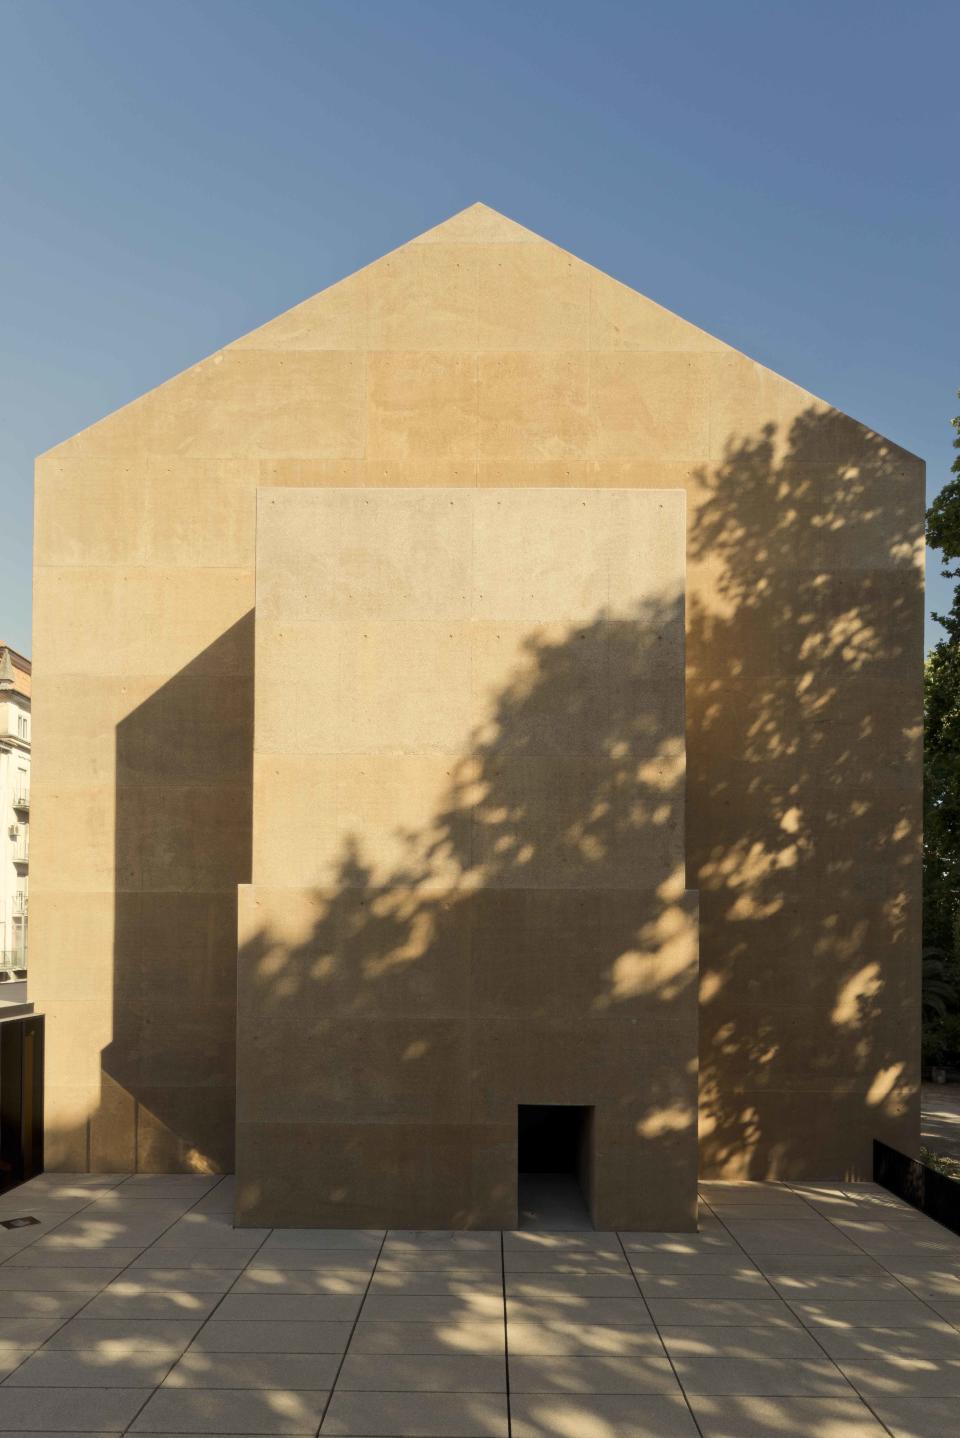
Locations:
(12, 959)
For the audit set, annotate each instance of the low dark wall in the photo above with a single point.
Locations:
(933, 1193)
(21, 1099)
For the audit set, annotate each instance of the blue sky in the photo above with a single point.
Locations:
(175, 172)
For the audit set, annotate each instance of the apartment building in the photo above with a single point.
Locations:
(14, 809)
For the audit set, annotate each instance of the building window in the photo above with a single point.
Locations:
(22, 725)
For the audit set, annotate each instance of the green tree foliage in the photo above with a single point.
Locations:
(941, 778)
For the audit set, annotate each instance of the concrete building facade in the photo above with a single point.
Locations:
(15, 679)
(483, 369)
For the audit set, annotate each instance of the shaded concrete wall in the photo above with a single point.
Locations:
(480, 355)
(468, 860)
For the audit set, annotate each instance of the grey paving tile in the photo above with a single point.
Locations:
(12, 1358)
(457, 1238)
(264, 1278)
(441, 1261)
(423, 1373)
(910, 1344)
(948, 1308)
(743, 1191)
(276, 1306)
(45, 1255)
(680, 1245)
(760, 1238)
(749, 1417)
(90, 1368)
(705, 1285)
(231, 1410)
(537, 1287)
(202, 1255)
(623, 1312)
(669, 1312)
(269, 1335)
(457, 1283)
(716, 1341)
(366, 1239)
(564, 1244)
(432, 1308)
(576, 1264)
(195, 1279)
(642, 1373)
(866, 1313)
(165, 1185)
(835, 1286)
(601, 1415)
(315, 1259)
(127, 1335)
(56, 1280)
(214, 1230)
(902, 1241)
(200, 1369)
(922, 1279)
(566, 1338)
(79, 1410)
(426, 1415)
(17, 1304)
(917, 1417)
(932, 1375)
(464, 1335)
(130, 1300)
(761, 1212)
(725, 1260)
(27, 1332)
(761, 1377)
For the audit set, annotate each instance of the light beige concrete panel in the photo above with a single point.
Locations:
(425, 299)
(73, 935)
(531, 297)
(417, 674)
(535, 406)
(167, 512)
(243, 404)
(422, 404)
(622, 319)
(334, 319)
(371, 570)
(142, 621)
(654, 406)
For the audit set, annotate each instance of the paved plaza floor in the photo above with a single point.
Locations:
(805, 1311)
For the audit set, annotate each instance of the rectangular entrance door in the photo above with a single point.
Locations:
(554, 1144)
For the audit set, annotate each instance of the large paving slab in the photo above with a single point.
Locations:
(462, 1335)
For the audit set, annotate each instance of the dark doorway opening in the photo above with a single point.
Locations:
(554, 1151)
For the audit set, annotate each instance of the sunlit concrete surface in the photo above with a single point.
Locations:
(799, 1311)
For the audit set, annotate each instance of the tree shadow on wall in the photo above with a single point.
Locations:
(804, 724)
(803, 800)
(531, 943)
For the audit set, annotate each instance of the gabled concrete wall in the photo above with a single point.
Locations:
(482, 356)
